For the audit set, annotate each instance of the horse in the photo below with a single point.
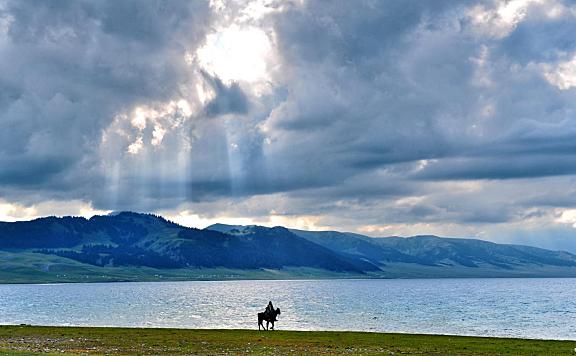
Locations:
(269, 317)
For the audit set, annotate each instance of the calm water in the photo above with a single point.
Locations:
(532, 308)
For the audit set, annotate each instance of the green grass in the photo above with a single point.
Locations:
(29, 267)
(27, 340)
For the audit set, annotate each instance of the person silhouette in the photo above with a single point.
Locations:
(270, 309)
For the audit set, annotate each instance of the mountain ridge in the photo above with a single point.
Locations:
(127, 241)
(429, 250)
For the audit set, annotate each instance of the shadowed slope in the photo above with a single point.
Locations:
(131, 239)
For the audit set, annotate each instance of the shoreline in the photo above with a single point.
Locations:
(26, 339)
(287, 279)
(107, 327)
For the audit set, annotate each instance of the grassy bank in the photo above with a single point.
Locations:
(26, 340)
(30, 267)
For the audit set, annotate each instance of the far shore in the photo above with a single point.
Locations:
(29, 340)
(64, 282)
(145, 274)
(247, 279)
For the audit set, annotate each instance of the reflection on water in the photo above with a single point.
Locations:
(534, 308)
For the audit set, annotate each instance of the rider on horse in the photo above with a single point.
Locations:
(269, 315)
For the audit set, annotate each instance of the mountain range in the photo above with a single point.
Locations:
(133, 246)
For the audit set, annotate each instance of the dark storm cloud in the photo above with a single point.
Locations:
(374, 89)
(70, 66)
(352, 37)
(558, 198)
(229, 99)
(503, 167)
(17, 173)
(358, 96)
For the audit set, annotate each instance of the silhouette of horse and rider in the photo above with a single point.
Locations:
(269, 315)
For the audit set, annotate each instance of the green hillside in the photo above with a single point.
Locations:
(142, 247)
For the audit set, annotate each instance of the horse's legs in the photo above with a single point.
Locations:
(272, 327)
(267, 322)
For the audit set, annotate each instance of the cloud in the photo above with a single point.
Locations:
(502, 167)
(69, 67)
(17, 212)
(227, 99)
(388, 117)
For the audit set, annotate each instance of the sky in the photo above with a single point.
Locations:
(399, 117)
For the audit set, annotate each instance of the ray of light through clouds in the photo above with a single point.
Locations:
(454, 118)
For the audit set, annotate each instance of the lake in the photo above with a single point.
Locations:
(526, 308)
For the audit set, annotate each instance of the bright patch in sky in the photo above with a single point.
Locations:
(10, 211)
(187, 218)
(563, 75)
(236, 54)
(501, 20)
(568, 217)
